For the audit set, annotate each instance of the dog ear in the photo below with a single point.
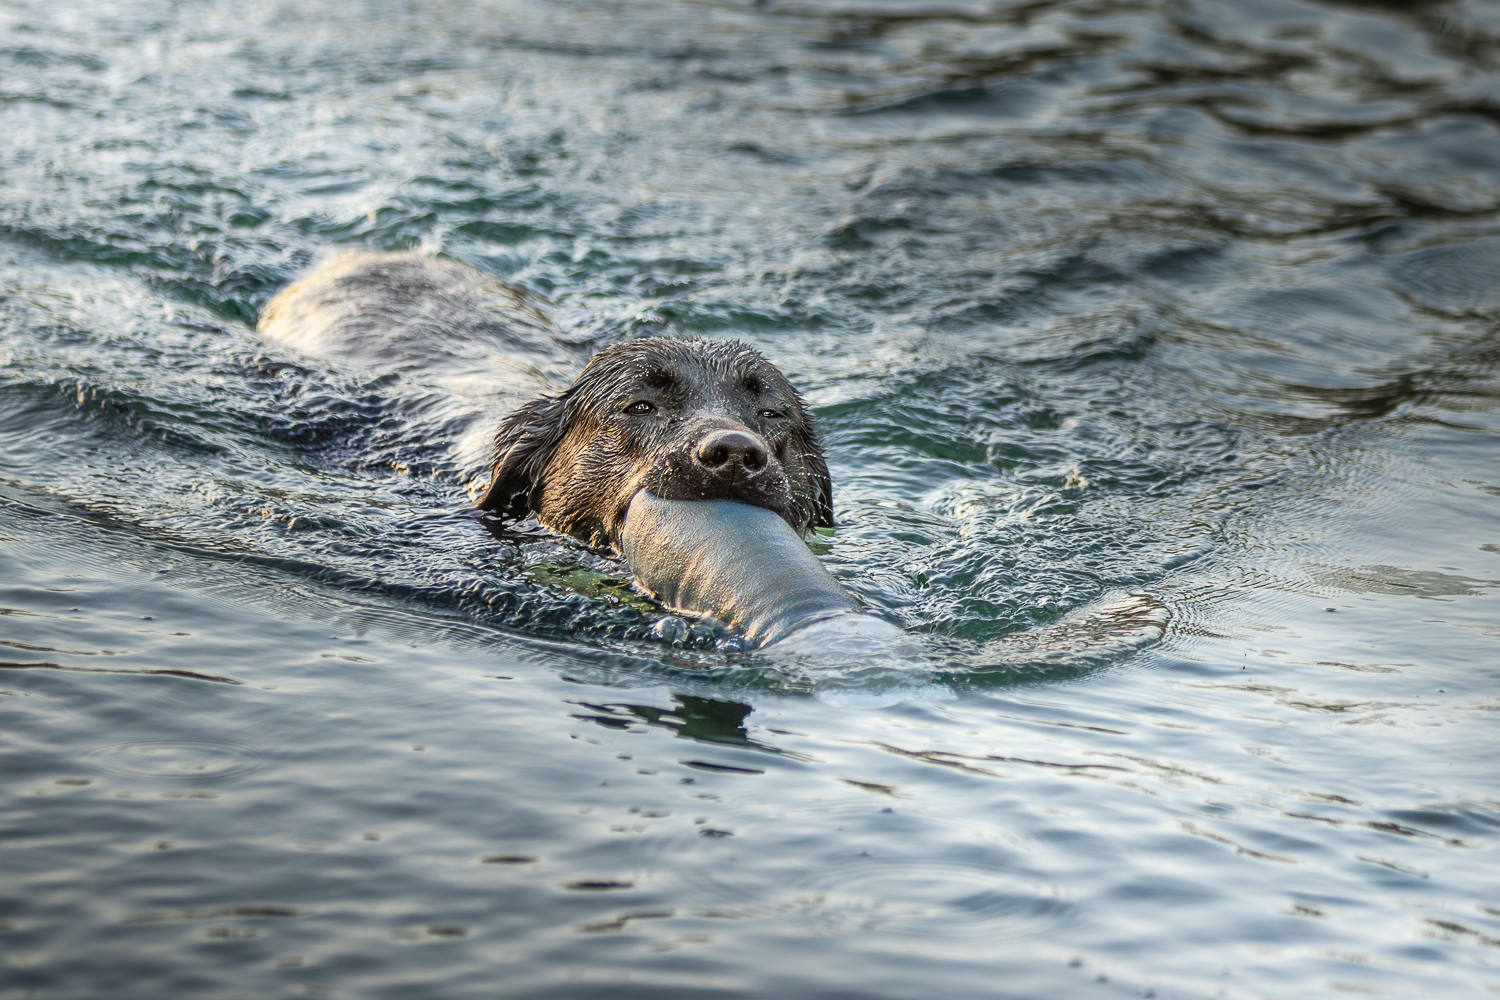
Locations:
(822, 482)
(523, 447)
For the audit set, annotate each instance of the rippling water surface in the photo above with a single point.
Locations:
(1155, 348)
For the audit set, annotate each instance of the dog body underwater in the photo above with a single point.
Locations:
(696, 460)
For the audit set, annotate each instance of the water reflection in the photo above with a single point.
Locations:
(706, 720)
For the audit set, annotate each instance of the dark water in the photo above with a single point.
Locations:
(1155, 346)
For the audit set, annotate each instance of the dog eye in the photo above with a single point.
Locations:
(769, 414)
(640, 406)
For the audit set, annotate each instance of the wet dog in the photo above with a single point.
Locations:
(683, 419)
(695, 460)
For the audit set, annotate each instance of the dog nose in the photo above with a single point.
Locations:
(722, 450)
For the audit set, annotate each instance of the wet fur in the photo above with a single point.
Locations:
(573, 458)
(576, 459)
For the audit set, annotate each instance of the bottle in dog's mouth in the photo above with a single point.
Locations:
(742, 564)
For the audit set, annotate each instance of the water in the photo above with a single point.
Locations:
(1154, 346)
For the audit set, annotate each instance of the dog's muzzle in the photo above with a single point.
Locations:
(727, 451)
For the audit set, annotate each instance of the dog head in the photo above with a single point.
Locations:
(685, 419)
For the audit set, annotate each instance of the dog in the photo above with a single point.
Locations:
(694, 460)
(686, 419)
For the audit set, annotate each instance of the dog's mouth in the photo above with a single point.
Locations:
(767, 491)
(710, 461)
(761, 490)
(762, 484)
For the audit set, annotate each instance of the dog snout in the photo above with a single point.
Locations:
(727, 450)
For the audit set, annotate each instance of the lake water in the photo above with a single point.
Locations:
(1155, 349)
